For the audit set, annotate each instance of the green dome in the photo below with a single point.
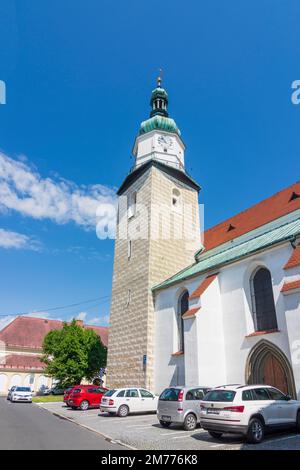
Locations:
(159, 122)
(158, 92)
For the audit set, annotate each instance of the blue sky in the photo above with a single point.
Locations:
(79, 76)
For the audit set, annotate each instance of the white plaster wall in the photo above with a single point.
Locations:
(147, 147)
(216, 342)
(191, 356)
(237, 309)
(165, 342)
(211, 350)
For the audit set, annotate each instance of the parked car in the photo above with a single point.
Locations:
(56, 390)
(10, 391)
(123, 401)
(21, 394)
(181, 405)
(67, 394)
(250, 410)
(86, 396)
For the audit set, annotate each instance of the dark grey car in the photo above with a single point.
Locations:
(181, 405)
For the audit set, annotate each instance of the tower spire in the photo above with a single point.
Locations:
(159, 78)
(159, 99)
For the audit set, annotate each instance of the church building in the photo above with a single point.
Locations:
(190, 310)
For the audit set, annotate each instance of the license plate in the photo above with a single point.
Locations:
(166, 418)
(212, 411)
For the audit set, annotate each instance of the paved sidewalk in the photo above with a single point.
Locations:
(144, 432)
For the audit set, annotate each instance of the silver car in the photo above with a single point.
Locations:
(181, 405)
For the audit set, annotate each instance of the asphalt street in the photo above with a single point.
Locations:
(27, 426)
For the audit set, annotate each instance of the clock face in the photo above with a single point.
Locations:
(165, 141)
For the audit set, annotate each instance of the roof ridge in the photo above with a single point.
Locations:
(271, 229)
(251, 207)
(20, 317)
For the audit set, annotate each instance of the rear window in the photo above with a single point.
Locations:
(170, 394)
(77, 390)
(110, 393)
(220, 395)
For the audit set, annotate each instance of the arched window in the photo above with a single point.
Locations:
(132, 205)
(263, 301)
(183, 306)
(176, 198)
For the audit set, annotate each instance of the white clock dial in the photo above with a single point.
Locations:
(165, 141)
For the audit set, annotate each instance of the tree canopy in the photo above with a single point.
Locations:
(73, 353)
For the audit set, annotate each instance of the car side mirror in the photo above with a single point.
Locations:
(288, 397)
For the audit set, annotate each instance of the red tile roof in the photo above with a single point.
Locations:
(287, 286)
(191, 312)
(18, 361)
(294, 259)
(278, 205)
(28, 332)
(203, 286)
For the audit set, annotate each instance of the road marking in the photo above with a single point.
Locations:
(280, 439)
(178, 432)
(140, 426)
(218, 445)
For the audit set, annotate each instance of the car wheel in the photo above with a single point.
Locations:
(84, 405)
(298, 422)
(190, 422)
(215, 434)
(165, 424)
(123, 411)
(256, 431)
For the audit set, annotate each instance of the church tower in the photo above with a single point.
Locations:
(157, 235)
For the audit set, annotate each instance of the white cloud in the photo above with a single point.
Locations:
(4, 321)
(9, 239)
(22, 189)
(99, 321)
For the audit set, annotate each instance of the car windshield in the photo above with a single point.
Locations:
(110, 393)
(220, 395)
(170, 394)
(23, 389)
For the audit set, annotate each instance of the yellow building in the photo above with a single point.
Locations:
(21, 350)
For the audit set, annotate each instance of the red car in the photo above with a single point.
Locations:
(86, 396)
(67, 393)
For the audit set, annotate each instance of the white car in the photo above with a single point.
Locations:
(10, 391)
(250, 410)
(21, 394)
(123, 401)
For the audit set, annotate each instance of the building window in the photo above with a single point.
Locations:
(263, 305)
(129, 249)
(132, 205)
(183, 306)
(176, 198)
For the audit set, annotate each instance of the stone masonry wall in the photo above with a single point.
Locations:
(131, 334)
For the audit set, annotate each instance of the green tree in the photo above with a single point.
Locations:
(73, 353)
